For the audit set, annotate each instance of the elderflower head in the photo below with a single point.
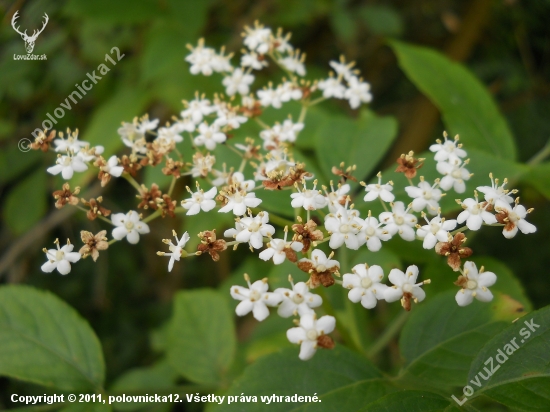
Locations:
(399, 221)
(67, 165)
(298, 300)
(448, 150)
(474, 285)
(60, 258)
(373, 233)
(200, 200)
(455, 174)
(237, 82)
(309, 199)
(128, 226)
(513, 220)
(209, 136)
(496, 195)
(252, 230)
(176, 251)
(70, 144)
(425, 196)
(405, 287)
(475, 213)
(311, 333)
(375, 190)
(255, 299)
(436, 230)
(364, 284)
(280, 249)
(344, 227)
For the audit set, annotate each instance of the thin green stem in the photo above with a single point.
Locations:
(317, 101)
(152, 216)
(172, 185)
(541, 155)
(132, 181)
(112, 241)
(303, 113)
(391, 331)
(261, 123)
(383, 204)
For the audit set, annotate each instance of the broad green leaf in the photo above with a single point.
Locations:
(410, 401)
(159, 377)
(539, 178)
(45, 341)
(26, 203)
(337, 377)
(465, 104)
(13, 162)
(201, 339)
(441, 338)
(517, 364)
(361, 142)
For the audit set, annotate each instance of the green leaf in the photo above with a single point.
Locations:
(341, 379)
(158, 377)
(45, 341)
(361, 142)
(539, 178)
(121, 11)
(467, 107)
(382, 20)
(410, 401)
(26, 203)
(522, 376)
(441, 338)
(201, 339)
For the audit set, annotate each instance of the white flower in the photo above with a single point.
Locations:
(436, 230)
(448, 150)
(289, 91)
(298, 300)
(239, 201)
(90, 154)
(255, 298)
(209, 136)
(307, 334)
(228, 117)
(277, 249)
(405, 287)
(237, 82)
(252, 59)
(199, 201)
(399, 221)
(336, 198)
(112, 167)
(67, 165)
(286, 132)
(514, 219)
(202, 59)
(309, 199)
(60, 258)
(364, 284)
(495, 194)
(257, 38)
(332, 87)
(202, 165)
(237, 179)
(320, 262)
(269, 97)
(455, 175)
(474, 285)
(176, 251)
(425, 196)
(277, 162)
(128, 226)
(375, 190)
(172, 133)
(342, 68)
(294, 63)
(220, 63)
(373, 233)
(197, 109)
(475, 213)
(343, 227)
(252, 230)
(70, 144)
(357, 92)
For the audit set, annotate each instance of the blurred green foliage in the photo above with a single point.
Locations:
(127, 296)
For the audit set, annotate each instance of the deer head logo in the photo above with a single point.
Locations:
(29, 40)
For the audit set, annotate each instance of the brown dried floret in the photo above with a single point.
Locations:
(210, 245)
(149, 197)
(454, 250)
(65, 196)
(306, 233)
(319, 273)
(43, 142)
(346, 173)
(277, 180)
(130, 164)
(95, 208)
(93, 244)
(173, 167)
(104, 175)
(167, 206)
(409, 165)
